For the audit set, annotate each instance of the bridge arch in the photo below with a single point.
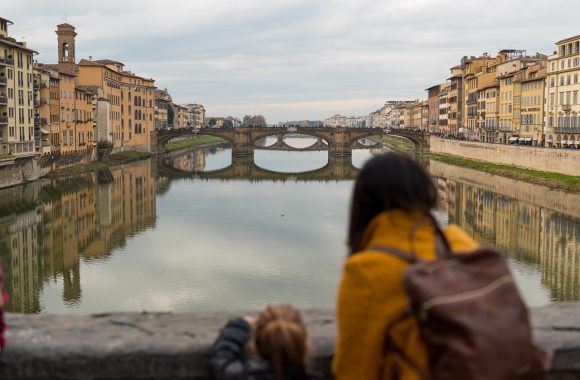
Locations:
(419, 138)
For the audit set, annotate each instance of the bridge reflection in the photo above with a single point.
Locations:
(244, 168)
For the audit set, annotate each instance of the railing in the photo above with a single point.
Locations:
(7, 61)
(489, 128)
(2, 81)
(505, 129)
(3, 100)
(3, 119)
(566, 108)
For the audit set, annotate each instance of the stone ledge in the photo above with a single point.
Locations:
(174, 346)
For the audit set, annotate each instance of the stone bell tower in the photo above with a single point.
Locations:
(66, 47)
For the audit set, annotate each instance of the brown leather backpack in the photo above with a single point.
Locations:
(470, 314)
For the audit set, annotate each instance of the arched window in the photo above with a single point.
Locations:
(136, 115)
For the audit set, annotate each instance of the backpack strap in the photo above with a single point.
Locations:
(390, 346)
(399, 253)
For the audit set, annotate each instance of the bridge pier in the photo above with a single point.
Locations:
(243, 144)
(340, 145)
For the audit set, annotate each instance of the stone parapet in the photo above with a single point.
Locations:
(174, 346)
(528, 157)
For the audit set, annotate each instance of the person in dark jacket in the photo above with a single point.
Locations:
(279, 344)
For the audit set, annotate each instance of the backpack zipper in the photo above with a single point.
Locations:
(441, 300)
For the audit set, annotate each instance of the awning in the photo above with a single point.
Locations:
(44, 131)
(513, 139)
(548, 141)
(527, 139)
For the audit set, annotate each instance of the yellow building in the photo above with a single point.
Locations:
(532, 84)
(16, 97)
(67, 87)
(130, 98)
(488, 111)
(507, 129)
(42, 127)
(562, 108)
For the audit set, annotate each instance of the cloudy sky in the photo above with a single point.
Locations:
(293, 59)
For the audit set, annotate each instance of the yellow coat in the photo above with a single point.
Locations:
(371, 294)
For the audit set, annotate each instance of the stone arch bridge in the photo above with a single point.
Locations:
(340, 141)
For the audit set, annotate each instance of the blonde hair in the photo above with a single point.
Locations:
(281, 338)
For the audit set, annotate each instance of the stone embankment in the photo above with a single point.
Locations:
(535, 158)
(175, 346)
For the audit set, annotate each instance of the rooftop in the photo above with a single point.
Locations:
(569, 39)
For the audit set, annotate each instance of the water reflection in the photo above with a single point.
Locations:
(145, 236)
(542, 241)
(66, 221)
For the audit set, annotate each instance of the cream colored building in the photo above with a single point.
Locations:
(183, 117)
(336, 121)
(562, 110)
(16, 98)
(196, 115)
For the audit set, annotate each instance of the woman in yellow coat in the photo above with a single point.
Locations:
(391, 206)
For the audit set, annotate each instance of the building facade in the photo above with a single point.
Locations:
(17, 110)
(562, 109)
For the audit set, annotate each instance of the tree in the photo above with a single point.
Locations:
(259, 121)
(212, 122)
(227, 124)
(247, 121)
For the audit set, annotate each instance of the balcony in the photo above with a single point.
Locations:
(567, 129)
(7, 61)
(489, 128)
(2, 81)
(3, 120)
(3, 100)
(566, 108)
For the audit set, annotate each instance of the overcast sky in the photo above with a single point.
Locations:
(293, 59)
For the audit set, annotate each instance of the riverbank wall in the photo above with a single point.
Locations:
(175, 346)
(29, 169)
(541, 159)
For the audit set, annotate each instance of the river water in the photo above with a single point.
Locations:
(192, 231)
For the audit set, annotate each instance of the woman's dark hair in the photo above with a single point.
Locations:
(388, 181)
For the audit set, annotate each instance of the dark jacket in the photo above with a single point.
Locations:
(226, 359)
